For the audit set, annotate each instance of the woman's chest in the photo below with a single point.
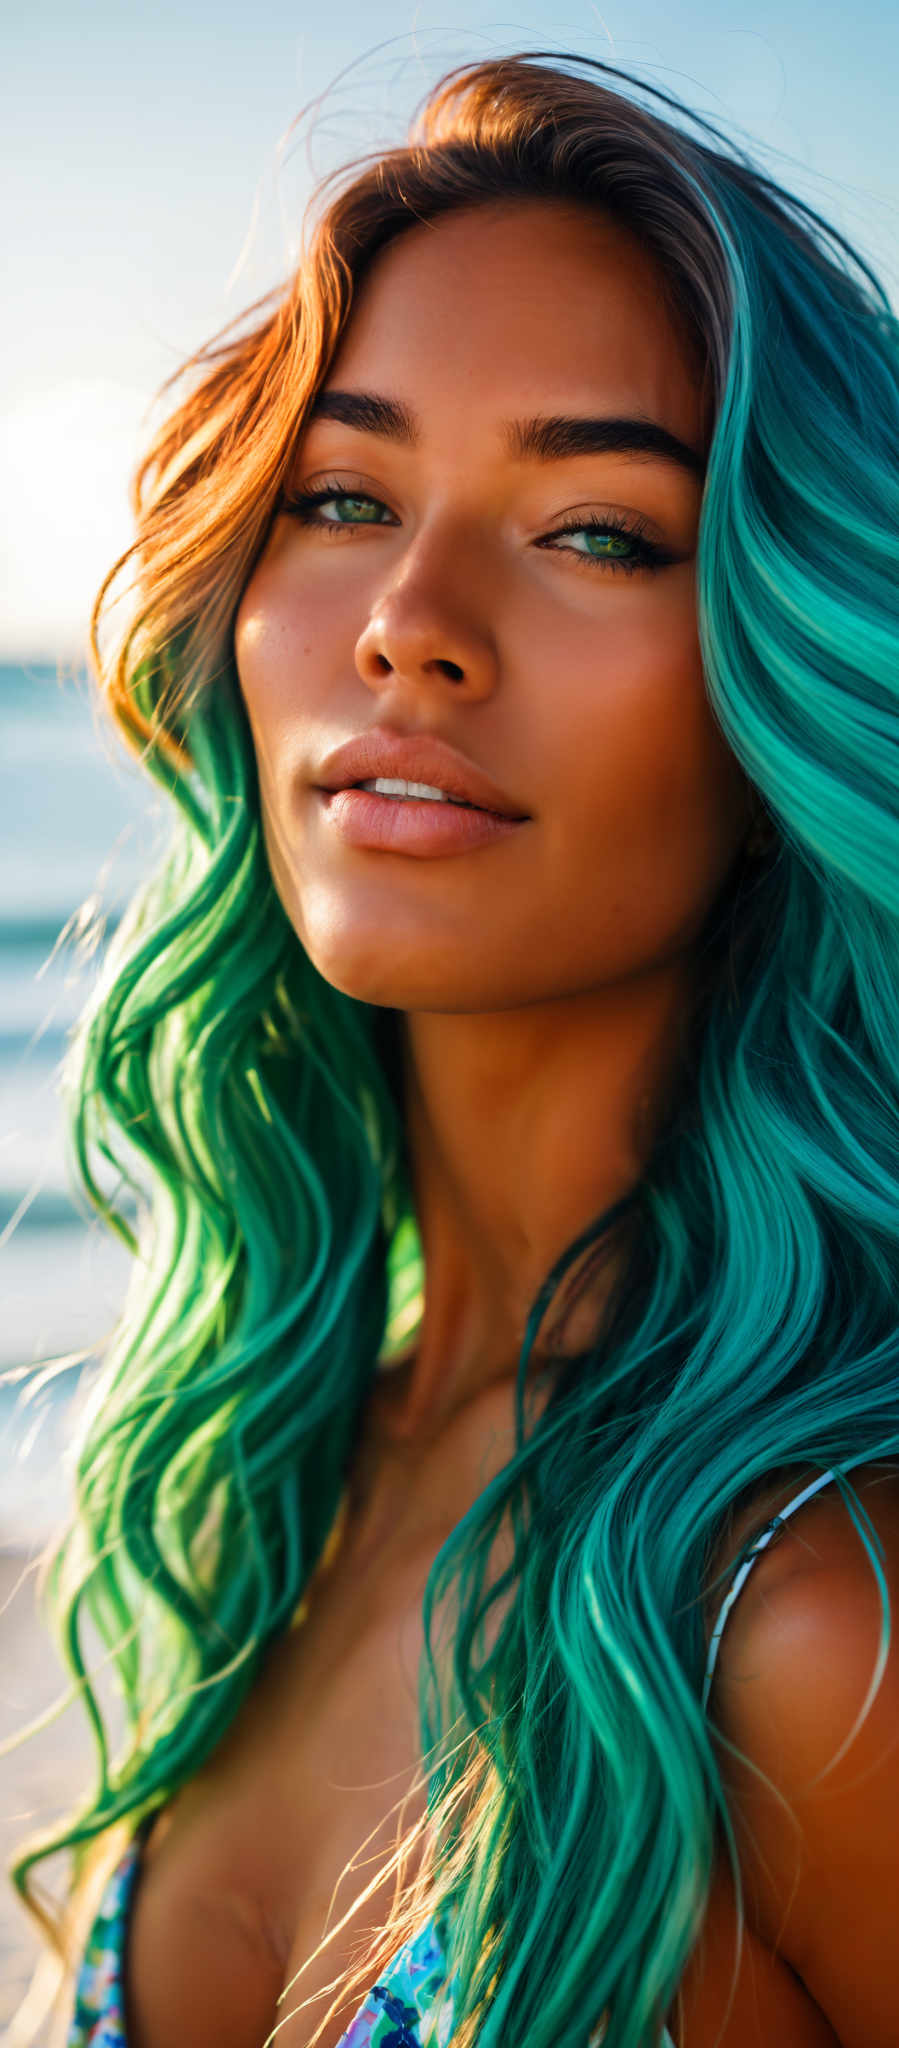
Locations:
(299, 1811)
(270, 1845)
(267, 1849)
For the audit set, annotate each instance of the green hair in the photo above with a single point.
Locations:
(256, 1114)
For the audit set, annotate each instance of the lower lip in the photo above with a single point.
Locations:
(421, 826)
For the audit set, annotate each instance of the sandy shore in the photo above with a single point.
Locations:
(38, 1781)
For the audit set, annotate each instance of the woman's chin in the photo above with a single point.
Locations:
(377, 974)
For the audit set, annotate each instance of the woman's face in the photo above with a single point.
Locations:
(443, 598)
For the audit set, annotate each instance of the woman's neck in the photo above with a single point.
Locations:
(524, 1127)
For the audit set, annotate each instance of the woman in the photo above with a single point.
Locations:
(562, 484)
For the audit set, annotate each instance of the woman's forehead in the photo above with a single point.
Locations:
(514, 308)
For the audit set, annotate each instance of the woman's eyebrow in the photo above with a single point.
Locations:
(541, 439)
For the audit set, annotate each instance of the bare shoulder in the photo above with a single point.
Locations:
(806, 1709)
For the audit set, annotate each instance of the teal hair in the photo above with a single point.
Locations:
(257, 1114)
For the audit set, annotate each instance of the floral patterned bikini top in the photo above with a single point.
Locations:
(396, 2011)
(394, 2014)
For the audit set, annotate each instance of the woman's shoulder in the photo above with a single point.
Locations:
(807, 1572)
(805, 1708)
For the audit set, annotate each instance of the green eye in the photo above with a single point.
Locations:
(306, 508)
(619, 546)
(613, 544)
(343, 498)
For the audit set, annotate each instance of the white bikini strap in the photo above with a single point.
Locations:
(761, 1543)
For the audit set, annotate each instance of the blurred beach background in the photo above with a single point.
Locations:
(77, 829)
(155, 186)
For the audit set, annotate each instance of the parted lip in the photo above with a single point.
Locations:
(413, 757)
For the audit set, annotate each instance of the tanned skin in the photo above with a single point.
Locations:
(543, 982)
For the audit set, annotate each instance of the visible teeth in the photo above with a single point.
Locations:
(386, 785)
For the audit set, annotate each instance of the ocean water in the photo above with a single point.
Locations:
(79, 823)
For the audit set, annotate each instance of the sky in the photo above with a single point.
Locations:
(157, 156)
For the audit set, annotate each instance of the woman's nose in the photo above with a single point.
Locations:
(426, 630)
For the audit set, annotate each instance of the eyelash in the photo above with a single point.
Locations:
(648, 555)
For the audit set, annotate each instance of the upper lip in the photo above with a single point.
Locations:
(413, 757)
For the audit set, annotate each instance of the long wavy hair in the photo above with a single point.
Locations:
(254, 1118)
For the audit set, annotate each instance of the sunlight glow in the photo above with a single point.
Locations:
(66, 455)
